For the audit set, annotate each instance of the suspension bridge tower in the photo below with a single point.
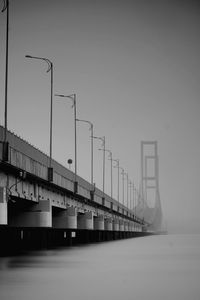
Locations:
(150, 204)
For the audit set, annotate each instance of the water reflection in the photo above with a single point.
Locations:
(157, 267)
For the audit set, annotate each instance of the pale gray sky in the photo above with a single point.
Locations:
(135, 68)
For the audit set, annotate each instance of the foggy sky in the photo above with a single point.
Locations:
(134, 66)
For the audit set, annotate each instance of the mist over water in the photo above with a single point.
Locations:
(154, 267)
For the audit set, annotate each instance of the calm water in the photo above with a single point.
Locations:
(153, 268)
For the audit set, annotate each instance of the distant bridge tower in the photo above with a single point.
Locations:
(151, 205)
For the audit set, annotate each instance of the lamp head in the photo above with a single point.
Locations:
(60, 95)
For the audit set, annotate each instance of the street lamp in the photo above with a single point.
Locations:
(117, 166)
(50, 69)
(111, 160)
(134, 205)
(5, 143)
(111, 178)
(122, 184)
(137, 200)
(72, 97)
(127, 186)
(134, 201)
(91, 128)
(130, 186)
(103, 139)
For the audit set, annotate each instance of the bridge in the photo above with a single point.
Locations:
(63, 209)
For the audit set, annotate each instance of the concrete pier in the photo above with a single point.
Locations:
(30, 214)
(121, 225)
(99, 222)
(116, 225)
(85, 221)
(3, 206)
(66, 219)
(108, 224)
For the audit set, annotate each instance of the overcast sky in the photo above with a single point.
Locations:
(134, 66)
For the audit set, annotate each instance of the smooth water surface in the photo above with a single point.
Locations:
(146, 268)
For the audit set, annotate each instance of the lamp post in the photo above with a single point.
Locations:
(111, 160)
(117, 166)
(130, 187)
(50, 69)
(92, 134)
(127, 187)
(5, 143)
(134, 207)
(111, 177)
(103, 139)
(72, 97)
(133, 195)
(135, 204)
(122, 184)
(136, 201)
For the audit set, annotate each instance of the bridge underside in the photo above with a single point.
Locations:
(35, 215)
(37, 209)
(45, 219)
(15, 239)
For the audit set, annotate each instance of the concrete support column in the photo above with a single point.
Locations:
(99, 222)
(108, 224)
(121, 225)
(116, 224)
(85, 221)
(126, 226)
(66, 219)
(129, 226)
(3, 206)
(42, 214)
(135, 227)
(71, 218)
(36, 215)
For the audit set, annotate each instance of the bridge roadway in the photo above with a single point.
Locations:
(29, 200)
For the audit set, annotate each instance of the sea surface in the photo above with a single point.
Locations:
(165, 267)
